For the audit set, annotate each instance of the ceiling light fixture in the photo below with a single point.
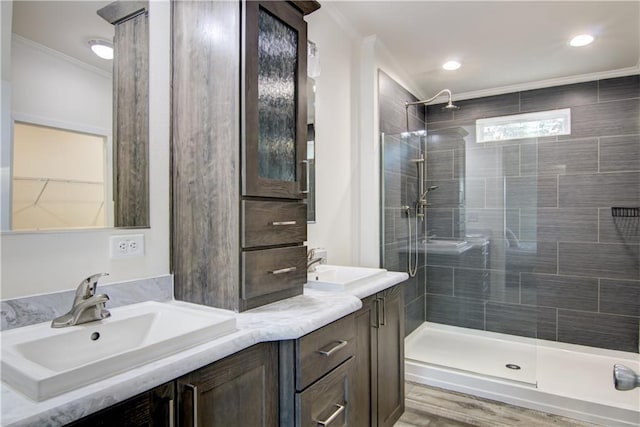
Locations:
(581, 40)
(451, 65)
(102, 48)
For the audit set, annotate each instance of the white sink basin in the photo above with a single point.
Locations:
(339, 278)
(42, 362)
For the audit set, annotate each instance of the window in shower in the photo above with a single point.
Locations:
(529, 125)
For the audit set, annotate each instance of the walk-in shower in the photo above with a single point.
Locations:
(520, 258)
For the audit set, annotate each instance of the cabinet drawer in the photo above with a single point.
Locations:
(324, 349)
(271, 270)
(273, 223)
(329, 401)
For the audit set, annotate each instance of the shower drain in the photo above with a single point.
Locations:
(512, 366)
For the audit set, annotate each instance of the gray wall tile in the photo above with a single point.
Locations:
(461, 312)
(389, 225)
(598, 330)
(620, 153)
(392, 189)
(490, 106)
(620, 297)
(448, 138)
(528, 159)
(474, 192)
(490, 285)
(553, 224)
(612, 189)
(414, 286)
(575, 293)
(606, 119)
(414, 314)
(521, 320)
(619, 88)
(481, 162)
(618, 229)
(436, 114)
(440, 222)
(440, 280)
(559, 97)
(599, 260)
(446, 196)
(525, 192)
(439, 165)
(510, 159)
(532, 257)
(568, 157)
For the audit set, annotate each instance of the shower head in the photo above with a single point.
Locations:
(423, 197)
(450, 106)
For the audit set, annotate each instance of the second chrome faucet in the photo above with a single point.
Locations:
(87, 306)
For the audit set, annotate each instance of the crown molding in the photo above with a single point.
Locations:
(540, 84)
(59, 55)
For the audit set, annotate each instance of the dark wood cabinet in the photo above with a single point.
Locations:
(379, 380)
(240, 390)
(154, 408)
(239, 171)
(317, 374)
(275, 110)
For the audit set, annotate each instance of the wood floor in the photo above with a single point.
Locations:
(434, 407)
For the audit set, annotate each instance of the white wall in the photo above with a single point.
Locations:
(50, 261)
(336, 140)
(48, 86)
(347, 139)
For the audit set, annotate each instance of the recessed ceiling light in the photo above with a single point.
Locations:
(451, 65)
(581, 40)
(102, 48)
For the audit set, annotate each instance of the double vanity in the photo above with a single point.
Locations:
(312, 358)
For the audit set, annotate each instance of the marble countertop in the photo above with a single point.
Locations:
(287, 319)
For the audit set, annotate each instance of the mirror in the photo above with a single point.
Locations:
(311, 137)
(71, 168)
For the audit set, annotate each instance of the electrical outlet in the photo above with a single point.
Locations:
(126, 246)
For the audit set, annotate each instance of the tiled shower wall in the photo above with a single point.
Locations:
(400, 188)
(558, 266)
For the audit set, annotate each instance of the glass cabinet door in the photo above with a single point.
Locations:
(274, 138)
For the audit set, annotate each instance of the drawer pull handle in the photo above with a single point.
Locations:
(284, 223)
(333, 416)
(284, 270)
(194, 394)
(335, 348)
(171, 413)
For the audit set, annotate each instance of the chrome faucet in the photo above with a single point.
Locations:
(312, 260)
(87, 306)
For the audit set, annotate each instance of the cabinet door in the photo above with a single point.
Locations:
(275, 107)
(366, 358)
(239, 390)
(154, 408)
(390, 356)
